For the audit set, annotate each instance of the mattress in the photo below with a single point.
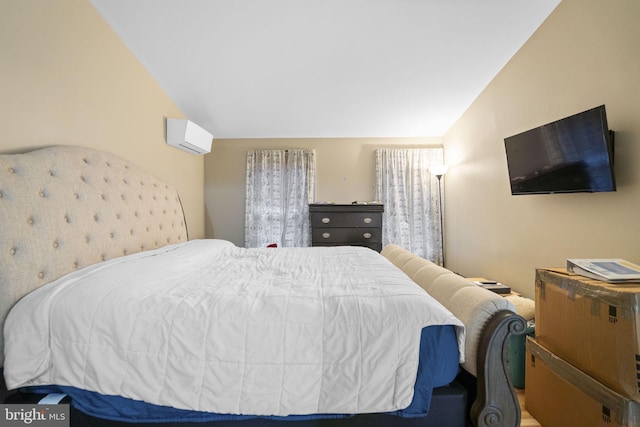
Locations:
(437, 367)
(205, 326)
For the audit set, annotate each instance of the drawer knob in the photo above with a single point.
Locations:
(326, 235)
(326, 220)
(367, 235)
(367, 220)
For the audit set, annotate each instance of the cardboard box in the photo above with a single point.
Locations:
(559, 395)
(592, 325)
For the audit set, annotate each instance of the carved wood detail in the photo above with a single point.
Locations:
(496, 404)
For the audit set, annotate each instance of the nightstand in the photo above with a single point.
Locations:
(504, 294)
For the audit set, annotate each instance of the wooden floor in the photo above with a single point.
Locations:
(526, 420)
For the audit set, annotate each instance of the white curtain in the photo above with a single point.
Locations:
(280, 185)
(410, 195)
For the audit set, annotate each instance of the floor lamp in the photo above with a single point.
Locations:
(439, 171)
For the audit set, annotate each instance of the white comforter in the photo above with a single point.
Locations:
(208, 326)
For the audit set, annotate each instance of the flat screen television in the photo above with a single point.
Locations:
(571, 155)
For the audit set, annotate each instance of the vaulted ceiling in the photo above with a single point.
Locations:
(327, 68)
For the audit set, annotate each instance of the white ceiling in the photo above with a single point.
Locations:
(328, 68)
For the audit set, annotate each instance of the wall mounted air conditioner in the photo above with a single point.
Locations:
(188, 136)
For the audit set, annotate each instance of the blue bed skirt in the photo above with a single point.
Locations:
(438, 367)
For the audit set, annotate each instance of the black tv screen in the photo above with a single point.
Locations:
(574, 154)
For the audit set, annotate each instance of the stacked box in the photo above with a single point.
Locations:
(592, 325)
(559, 395)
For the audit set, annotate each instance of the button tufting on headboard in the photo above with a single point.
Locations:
(66, 207)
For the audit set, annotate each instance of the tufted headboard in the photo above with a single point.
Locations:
(66, 207)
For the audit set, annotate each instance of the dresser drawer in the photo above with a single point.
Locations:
(346, 236)
(346, 219)
(372, 245)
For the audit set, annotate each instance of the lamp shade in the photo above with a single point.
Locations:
(439, 170)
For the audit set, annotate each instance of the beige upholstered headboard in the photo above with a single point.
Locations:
(66, 207)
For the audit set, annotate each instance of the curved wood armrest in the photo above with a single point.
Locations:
(496, 404)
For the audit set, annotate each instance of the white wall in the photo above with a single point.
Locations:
(587, 53)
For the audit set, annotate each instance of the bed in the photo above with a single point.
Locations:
(105, 299)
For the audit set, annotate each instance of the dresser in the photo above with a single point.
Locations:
(346, 225)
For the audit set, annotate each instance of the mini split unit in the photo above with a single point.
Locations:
(188, 136)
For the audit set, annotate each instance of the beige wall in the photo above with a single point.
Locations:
(344, 173)
(68, 79)
(586, 54)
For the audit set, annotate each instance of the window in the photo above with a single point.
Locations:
(280, 185)
(409, 193)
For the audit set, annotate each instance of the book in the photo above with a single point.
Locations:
(607, 270)
(493, 286)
